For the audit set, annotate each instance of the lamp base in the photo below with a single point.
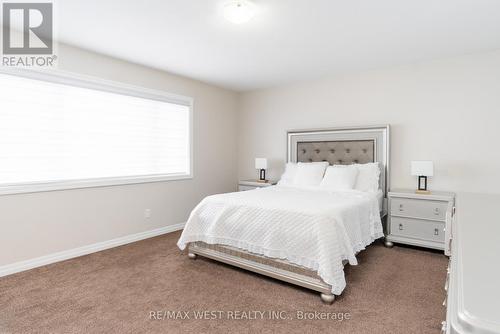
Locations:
(262, 181)
(262, 175)
(422, 185)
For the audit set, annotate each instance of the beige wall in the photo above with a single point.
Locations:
(447, 111)
(33, 225)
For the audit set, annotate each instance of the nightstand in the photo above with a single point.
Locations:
(244, 185)
(420, 220)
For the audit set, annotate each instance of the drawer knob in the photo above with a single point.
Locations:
(400, 227)
(436, 211)
(401, 207)
(436, 231)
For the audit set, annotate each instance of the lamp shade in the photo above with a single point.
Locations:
(422, 168)
(260, 163)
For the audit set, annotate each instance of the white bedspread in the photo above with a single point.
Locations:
(313, 228)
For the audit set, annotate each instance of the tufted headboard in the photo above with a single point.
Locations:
(343, 146)
(337, 152)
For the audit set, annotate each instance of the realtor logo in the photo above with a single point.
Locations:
(28, 34)
(34, 20)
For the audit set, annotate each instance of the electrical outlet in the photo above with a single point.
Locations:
(147, 213)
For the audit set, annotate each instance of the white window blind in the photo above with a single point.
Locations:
(53, 133)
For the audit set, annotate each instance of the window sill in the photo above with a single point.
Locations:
(88, 183)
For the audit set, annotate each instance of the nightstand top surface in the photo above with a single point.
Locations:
(256, 183)
(410, 193)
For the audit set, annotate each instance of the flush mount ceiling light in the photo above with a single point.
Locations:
(239, 11)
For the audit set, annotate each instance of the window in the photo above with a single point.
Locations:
(60, 132)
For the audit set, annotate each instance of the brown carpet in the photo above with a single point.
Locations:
(397, 290)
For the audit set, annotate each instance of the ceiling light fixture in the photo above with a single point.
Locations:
(239, 11)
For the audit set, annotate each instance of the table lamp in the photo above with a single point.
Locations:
(261, 165)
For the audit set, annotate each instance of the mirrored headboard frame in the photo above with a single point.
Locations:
(379, 134)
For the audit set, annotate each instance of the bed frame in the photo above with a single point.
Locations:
(337, 146)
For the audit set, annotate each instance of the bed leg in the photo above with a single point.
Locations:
(327, 298)
(388, 244)
(192, 256)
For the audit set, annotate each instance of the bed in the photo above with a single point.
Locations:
(299, 235)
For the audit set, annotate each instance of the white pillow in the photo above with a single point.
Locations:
(310, 173)
(339, 178)
(289, 174)
(368, 176)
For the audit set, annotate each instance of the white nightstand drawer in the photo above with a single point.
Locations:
(416, 208)
(419, 229)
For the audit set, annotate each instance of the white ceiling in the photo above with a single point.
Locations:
(287, 41)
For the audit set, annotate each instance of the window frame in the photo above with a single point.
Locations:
(84, 81)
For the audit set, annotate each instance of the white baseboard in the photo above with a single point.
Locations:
(84, 250)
